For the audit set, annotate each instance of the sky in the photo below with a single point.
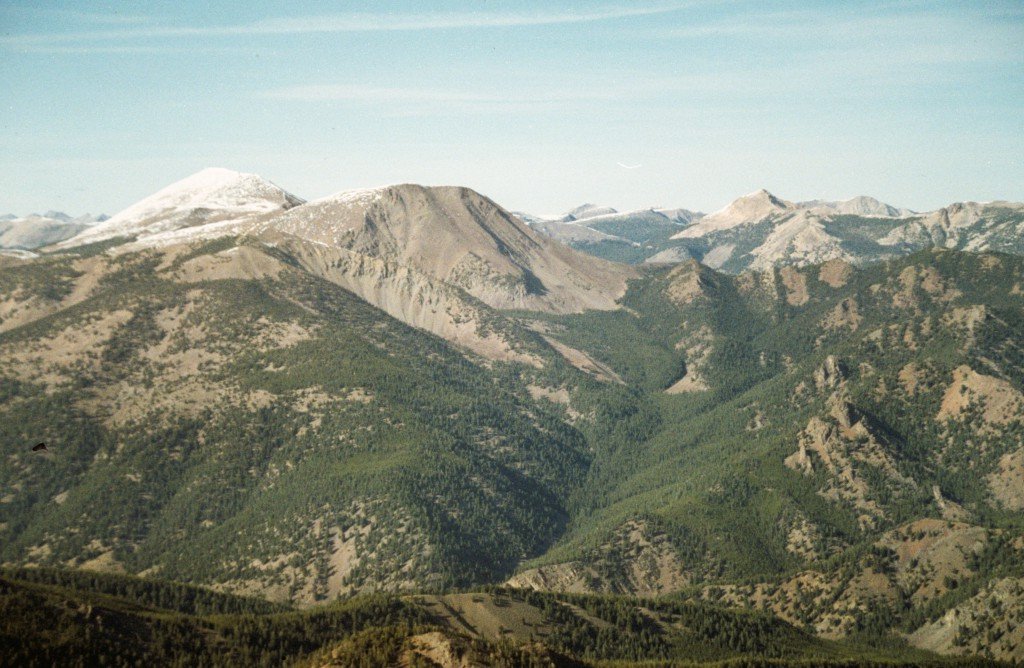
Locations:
(539, 105)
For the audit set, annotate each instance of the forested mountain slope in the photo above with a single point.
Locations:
(218, 415)
(828, 426)
(408, 390)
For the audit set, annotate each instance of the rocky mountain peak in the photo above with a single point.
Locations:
(745, 210)
(456, 235)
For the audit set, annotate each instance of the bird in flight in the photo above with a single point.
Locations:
(628, 166)
(41, 447)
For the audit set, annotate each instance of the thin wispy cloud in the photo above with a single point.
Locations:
(65, 49)
(386, 22)
(411, 102)
(350, 93)
(743, 86)
(103, 19)
(354, 93)
(902, 24)
(63, 15)
(358, 22)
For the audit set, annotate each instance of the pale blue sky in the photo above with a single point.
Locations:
(532, 103)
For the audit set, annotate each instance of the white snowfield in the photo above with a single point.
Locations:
(356, 197)
(678, 216)
(590, 214)
(211, 196)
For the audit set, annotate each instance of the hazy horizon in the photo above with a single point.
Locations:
(536, 105)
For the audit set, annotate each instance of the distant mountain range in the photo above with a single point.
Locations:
(760, 230)
(37, 230)
(756, 231)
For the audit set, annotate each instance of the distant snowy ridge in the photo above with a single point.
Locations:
(861, 205)
(36, 231)
(585, 211)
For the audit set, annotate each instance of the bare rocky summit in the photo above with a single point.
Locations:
(461, 238)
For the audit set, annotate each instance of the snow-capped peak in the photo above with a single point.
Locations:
(211, 188)
(211, 195)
